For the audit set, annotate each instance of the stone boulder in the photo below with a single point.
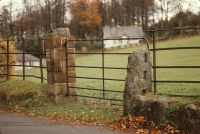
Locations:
(188, 118)
(151, 106)
(154, 107)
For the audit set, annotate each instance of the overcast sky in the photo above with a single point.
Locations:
(17, 5)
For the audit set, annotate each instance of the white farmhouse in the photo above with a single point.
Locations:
(122, 34)
(29, 60)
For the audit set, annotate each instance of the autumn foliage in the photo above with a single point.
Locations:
(85, 16)
(139, 125)
(86, 13)
(3, 57)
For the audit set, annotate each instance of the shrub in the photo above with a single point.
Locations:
(31, 46)
(90, 45)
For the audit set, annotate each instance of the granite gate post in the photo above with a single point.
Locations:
(138, 80)
(57, 70)
(138, 97)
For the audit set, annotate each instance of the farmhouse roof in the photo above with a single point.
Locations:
(63, 32)
(28, 57)
(118, 32)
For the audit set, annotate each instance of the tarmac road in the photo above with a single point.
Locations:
(16, 124)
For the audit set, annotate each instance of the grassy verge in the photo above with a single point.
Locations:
(31, 99)
(28, 95)
(27, 98)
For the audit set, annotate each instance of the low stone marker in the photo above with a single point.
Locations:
(57, 71)
(139, 100)
(138, 80)
(138, 97)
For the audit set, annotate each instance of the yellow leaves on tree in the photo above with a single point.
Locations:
(3, 57)
(86, 13)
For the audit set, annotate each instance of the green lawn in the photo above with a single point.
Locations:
(175, 57)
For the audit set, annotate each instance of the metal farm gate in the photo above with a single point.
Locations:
(102, 53)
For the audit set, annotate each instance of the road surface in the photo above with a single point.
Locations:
(16, 124)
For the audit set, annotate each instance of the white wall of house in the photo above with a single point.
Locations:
(27, 63)
(120, 43)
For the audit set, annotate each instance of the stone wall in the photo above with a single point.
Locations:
(60, 77)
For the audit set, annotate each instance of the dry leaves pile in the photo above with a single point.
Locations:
(133, 125)
(68, 117)
(138, 125)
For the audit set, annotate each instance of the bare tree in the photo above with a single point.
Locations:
(6, 22)
(165, 9)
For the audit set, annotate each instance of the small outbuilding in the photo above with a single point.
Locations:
(29, 60)
(120, 36)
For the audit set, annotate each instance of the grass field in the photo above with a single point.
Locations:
(168, 58)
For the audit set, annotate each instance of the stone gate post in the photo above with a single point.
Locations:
(57, 70)
(138, 97)
(138, 80)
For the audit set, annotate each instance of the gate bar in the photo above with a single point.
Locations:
(41, 56)
(66, 64)
(177, 67)
(23, 58)
(174, 48)
(171, 81)
(154, 63)
(103, 70)
(8, 60)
